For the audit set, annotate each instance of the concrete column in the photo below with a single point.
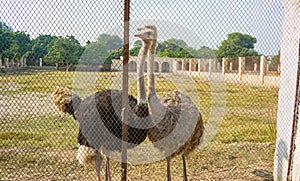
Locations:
(159, 67)
(241, 66)
(24, 62)
(199, 66)
(21, 62)
(182, 65)
(41, 62)
(210, 66)
(171, 66)
(6, 60)
(255, 67)
(218, 66)
(190, 66)
(263, 68)
(230, 66)
(176, 65)
(0, 62)
(224, 65)
(12, 63)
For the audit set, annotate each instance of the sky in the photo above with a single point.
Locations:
(198, 23)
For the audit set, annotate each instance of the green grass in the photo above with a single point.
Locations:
(42, 131)
(44, 146)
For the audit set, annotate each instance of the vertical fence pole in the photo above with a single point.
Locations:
(125, 90)
(285, 156)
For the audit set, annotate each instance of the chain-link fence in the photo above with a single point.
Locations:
(61, 95)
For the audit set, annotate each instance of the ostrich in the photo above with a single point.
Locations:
(99, 117)
(178, 126)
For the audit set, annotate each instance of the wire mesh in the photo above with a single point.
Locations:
(61, 86)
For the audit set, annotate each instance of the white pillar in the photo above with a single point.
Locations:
(255, 67)
(211, 66)
(218, 66)
(41, 62)
(159, 67)
(182, 65)
(230, 66)
(199, 66)
(12, 63)
(176, 66)
(286, 117)
(6, 60)
(224, 65)
(190, 66)
(263, 68)
(241, 67)
(25, 62)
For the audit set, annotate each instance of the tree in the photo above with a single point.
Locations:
(64, 52)
(136, 48)
(6, 39)
(39, 48)
(13, 45)
(106, 48)
(174, 48)
(205, 52)
(4, 26)
(237, 44)
(23, 41)
(112, 42)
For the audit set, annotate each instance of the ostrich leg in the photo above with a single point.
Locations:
(184, 169)
(107, 170)
(98, 164)
(168, 168)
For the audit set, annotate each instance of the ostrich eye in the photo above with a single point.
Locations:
(148, 33)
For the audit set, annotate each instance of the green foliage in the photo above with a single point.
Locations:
(39, 48)
(174, 48)
(6, 39)
(136, 48)
(112, 42)
(4, 26)
(205, 52)
(13, 44)
(63, 51)
(237, 44)
(106, 48)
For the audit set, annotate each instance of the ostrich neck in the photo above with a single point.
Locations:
(158, 110)
(151, 79)
(140, 72)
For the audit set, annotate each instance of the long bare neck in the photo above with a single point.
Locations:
(140, 73)
(151, 56)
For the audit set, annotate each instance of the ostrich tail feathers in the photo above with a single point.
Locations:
(86, 156)
(65, 100)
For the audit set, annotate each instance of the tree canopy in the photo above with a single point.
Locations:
(174, 48)
(237, 44)
(106, 48)
(63, 51)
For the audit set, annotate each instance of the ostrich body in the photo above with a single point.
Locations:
(178, 126)
(100, 119)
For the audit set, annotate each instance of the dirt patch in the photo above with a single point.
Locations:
(27, 104)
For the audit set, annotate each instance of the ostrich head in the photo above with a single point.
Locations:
(65, 100)
(147, 33)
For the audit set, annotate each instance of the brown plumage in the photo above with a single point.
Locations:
(178, 126)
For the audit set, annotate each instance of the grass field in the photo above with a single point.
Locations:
(39, 143)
